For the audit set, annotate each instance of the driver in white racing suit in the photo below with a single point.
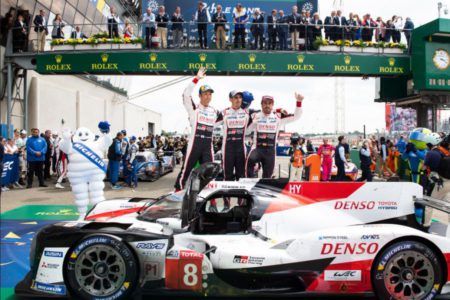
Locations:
(202, 118)
(266, 125)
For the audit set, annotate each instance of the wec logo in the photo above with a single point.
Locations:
(156, 246)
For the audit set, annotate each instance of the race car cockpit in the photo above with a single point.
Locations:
(195, 211)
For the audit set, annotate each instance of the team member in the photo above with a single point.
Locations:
(366, 161)
(326, 153)
(339, 159)
(202, 118)
(266, 125)
(132, 162)
(297, 153)
(61, 168)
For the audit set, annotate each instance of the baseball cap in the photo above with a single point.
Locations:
(123, 131)
(233, 93)
(133, 138)
(205, 88)
(267, 98)
(23, 131)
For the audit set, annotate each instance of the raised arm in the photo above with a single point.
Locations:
(188, 103)
(297, 113)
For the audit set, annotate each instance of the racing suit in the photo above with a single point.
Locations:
(200, 147)
(266, 129)
(235, 124)
(325, 151)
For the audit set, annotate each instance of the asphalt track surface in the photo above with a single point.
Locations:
(12, 265)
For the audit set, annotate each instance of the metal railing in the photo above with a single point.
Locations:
(274, 36)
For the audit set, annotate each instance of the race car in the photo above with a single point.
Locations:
(151, 166)
(273, 237)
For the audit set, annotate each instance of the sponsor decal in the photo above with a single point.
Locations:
(295, 188)
(253, 260)
(391, 253)
(300, 66)
(49, 265)
(349, 248)
(342, 275)
(151, 270)
(50, 288)
(157, 246)
(347, 67)
(104, 65)
(354, 205)
(370, 237)
(53, 253)
(190, 254)
(333, 237)
(252, 66)
(263, 127)
(59, 66)
(365, 205)
(153, 64)
(173, 253)
(392, 68)
(61, 212)
(387, 205)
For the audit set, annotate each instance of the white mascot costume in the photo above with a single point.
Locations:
(86, 168)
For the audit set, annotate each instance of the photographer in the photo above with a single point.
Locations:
(296, 153)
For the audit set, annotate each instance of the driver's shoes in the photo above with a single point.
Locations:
(225, 208)
(213, 209)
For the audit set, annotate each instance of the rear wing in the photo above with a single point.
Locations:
(438, 204)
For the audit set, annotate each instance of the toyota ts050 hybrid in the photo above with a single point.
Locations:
(246, 238)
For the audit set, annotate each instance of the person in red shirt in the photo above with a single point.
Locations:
(326, 153)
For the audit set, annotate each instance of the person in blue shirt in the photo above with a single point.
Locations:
(36, 148)
(114, 157)
(401, 145)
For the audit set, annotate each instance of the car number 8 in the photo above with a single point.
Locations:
(190, 275)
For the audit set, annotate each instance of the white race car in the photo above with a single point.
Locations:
(269, 237)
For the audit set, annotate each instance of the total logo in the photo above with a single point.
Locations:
(156, 246)
(349, 248)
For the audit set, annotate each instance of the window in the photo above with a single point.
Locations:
(151, 128)
(73, 2)
(98, 18)
(46, 3)
(90, 12)
(79, 19)
(58, 6)
(69, 13)
(82, 5)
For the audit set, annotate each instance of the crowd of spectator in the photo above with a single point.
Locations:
(271, 31)
(39, 155)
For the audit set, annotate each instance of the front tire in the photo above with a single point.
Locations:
(101, 266)
(407, 270)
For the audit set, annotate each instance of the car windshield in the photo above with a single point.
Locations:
(167, 206)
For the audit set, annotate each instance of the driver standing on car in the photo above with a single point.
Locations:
(266, 125)
(202, 118)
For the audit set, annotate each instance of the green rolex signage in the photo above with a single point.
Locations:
(220, 63)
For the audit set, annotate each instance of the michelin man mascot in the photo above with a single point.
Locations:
(86, 168)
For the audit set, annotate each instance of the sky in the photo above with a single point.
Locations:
(318, 108)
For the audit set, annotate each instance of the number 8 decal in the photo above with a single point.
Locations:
(190, 277)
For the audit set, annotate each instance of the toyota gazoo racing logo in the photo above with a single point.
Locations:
(156, 246)
(342, 275)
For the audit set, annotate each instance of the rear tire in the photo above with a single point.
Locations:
(407, 270)
(101, 266)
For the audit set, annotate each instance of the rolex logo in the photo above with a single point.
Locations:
(391, 61)
(202, 57)
(104, 57)
(153, 57)
(58, 59)
(300, 58)
(347, 60)
(252, 58)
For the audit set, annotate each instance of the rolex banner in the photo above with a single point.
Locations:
(189, 7)
(174, 62)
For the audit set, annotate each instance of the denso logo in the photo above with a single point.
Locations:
(267, 127)
(206, 120)
(53, 253)
(157, 246)
(349, 248)
(357, 205)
